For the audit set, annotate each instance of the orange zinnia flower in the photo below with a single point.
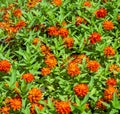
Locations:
(100, 105)
(73, 69)
(15, 103)
(69, 42)
(108, 93)
(32, 108)
(19, 25)
(87, 3)
(50, 60)
(45, 71)
(36, 41)
(81, 90)
(95, 37)
(57, 2)
(111, 82)
(44, 49)
(6, 16)
(52, 31)
(62, 107)
(79, 58)
(101, 13)
(32, 3)
(35, 95)
(28, 77)
(108, 25)
(93, 66)
(109, 51)
(79, 20)
(17, 13)
(4, 110)
(5, 66)
(63, 32)
(114, 69)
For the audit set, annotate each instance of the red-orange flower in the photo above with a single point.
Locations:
(15, 103)
(45, 71)
(32, 3)
(57, 2)
(111, 82)
(108, 93)
(69, 42)
(28, 77)
(100, 105)
(52, 31)
(79, 20)
(63, 32)
(109, 51)
(114, 69)
(17, 13)
(73, 69)
(44, 49)
(4, 110)
(35, 95)
(101, 13)
(87, 3)
(19, 25)
(81, 90)
(32, 108)
(95, 37)
(5, 66)
(108, 25)
(93, 66)
(50, 60)
(36, 41)
(6, 16)
(62, 107)
(79, 58)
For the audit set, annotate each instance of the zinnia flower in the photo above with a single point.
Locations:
(5, 66)
(109, 51)
(5, 110)
(44, 49)
(57, 2)
(79, 58)
(73, 69)
(80, 20)
(63, 32)
(36, 41)
(95, 37)
(50, 60)
(19, 25)
(69, 42)
(32, 3)
(87, 3)
(28, 77)
(32, 108)
(35, 95)
(45, 71)
(108, 25)
(100, 105)
(93, 66)
(81, 90)
(101, 13)
(6, 16)
(52, 31)
(111, 82)
(108, 93)
(62, 107)
(15, 103)
(17, 13)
